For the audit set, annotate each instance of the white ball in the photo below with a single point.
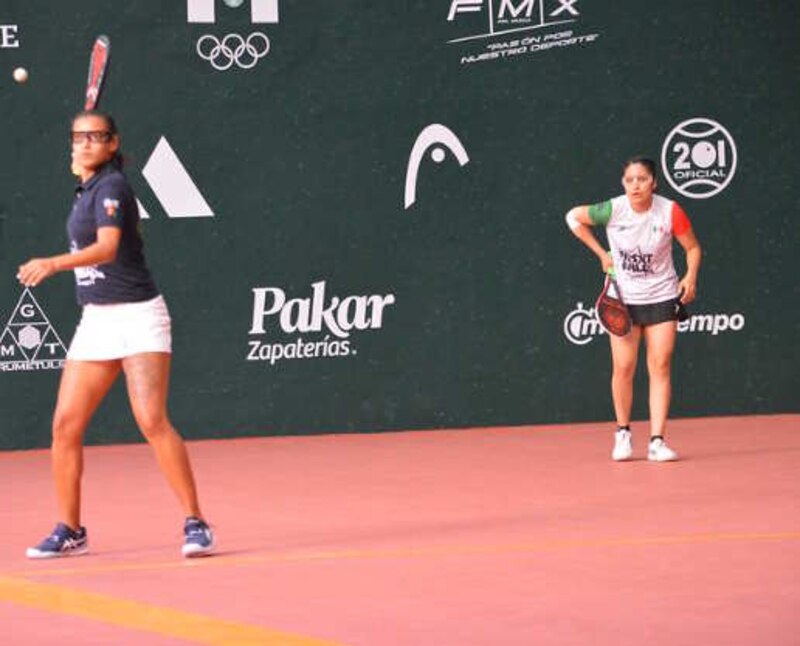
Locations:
(20, 75)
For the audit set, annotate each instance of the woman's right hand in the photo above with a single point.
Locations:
(607, 262)
(35, 271)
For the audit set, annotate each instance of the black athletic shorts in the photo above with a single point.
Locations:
(653, 313)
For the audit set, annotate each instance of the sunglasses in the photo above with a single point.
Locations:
(92, 136)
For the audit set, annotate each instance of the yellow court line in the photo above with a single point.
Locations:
(414, 552)
(202, 629)
(145, 617)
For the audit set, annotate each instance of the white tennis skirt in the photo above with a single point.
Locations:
(120, 330)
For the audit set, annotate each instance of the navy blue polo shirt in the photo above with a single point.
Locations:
(107, 200)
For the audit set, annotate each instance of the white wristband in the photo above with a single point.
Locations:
(572, 220)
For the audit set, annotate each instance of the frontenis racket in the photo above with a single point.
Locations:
(612, 313)
(98, 65)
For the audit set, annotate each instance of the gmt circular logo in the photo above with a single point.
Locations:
(699, 158)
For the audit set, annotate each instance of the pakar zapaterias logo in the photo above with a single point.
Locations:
(314, 326)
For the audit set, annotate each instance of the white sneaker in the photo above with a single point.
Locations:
(658, 451)
(623, 446)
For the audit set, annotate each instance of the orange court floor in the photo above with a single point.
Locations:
(478, 537)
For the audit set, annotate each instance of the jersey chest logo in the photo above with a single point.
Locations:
(636, 261)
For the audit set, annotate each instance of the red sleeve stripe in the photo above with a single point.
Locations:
(680, 221)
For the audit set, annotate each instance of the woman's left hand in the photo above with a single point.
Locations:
(35, 271)
(688, 289)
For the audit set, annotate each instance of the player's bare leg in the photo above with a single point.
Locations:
(660, 342)
(83, 386)
(624, 353)
(147, 379)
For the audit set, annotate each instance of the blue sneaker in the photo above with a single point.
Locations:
(199, 538)
(64, 541)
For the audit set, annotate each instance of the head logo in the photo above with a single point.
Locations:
(435, 135)
(699, 158)
(232, 49)
(29, 341)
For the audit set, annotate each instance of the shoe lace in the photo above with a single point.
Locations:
(195, 527)
(60, 534)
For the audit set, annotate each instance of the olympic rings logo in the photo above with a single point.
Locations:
(233, 48)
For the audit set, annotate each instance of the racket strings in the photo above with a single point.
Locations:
(614, 316)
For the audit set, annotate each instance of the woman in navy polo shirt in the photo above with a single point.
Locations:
(125, 327)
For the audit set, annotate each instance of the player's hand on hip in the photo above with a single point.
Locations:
(35, 271)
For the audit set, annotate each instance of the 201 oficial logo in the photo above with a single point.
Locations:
(335, 317)
(699, 158)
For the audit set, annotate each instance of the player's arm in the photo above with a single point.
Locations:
(688, 283)
(103, 251)
(580, 220)
(684, 234)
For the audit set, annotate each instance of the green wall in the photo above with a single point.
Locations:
(287, 181)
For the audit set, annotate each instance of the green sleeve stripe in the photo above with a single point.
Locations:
(600, 212)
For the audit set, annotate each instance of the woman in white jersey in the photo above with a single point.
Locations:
(640, 227)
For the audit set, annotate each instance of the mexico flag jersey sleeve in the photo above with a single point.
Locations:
(641, 246)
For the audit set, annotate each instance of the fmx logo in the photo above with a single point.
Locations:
(232, 50)
(498, 17)
(172, 185)
(29, 341)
